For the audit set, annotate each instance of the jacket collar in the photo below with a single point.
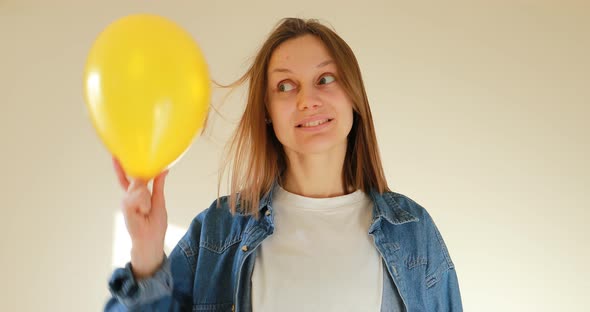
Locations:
(266, 200)
(385, 206)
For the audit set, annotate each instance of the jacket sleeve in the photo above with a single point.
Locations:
(169, 289)
(443, 293)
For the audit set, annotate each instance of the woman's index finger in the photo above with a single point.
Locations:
(121, 176)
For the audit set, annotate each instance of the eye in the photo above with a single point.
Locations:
(285, 86)
(326, 79)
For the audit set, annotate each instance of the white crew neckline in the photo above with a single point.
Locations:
(315, 204)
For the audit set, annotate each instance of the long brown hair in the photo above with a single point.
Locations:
(256, 156)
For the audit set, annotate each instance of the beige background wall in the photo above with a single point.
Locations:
(481, 110)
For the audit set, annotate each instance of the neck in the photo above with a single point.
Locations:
(316, 175)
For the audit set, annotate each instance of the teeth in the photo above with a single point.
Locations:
(314, 123)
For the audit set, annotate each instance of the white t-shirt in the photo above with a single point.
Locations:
(320, 256)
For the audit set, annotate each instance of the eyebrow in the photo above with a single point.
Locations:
(284, 70)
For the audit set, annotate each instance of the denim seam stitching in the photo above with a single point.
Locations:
(413, 262)
(433, 278)
(210, 306)
(445, 251)
(189, 254)
(220, 249)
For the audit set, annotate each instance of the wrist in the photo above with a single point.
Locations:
(145, 262)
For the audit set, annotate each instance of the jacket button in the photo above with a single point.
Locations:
(245, 248)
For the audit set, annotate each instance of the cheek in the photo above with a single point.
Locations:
(283, 134)
(281, 111)
(347, 112)
(344, 105)
(281, 121)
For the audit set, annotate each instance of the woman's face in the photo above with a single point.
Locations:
(310, 111)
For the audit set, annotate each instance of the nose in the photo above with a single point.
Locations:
(308, 99)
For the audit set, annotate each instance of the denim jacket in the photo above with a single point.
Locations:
(211, 266)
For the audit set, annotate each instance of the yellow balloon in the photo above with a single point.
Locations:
(147, 88)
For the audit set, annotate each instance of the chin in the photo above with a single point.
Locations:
(320, 146)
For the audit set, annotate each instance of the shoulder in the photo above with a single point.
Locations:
(420, 230)
(398, 208)
(406, 203)
(422, 251)
(215, 227)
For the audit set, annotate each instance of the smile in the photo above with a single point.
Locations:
(314, 123)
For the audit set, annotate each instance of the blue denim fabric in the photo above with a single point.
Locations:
(211, 266)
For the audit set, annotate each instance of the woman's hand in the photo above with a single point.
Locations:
(146, 220)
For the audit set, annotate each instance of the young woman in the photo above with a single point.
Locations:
(310, 223)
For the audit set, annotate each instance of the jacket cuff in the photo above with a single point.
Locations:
(131, 292)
